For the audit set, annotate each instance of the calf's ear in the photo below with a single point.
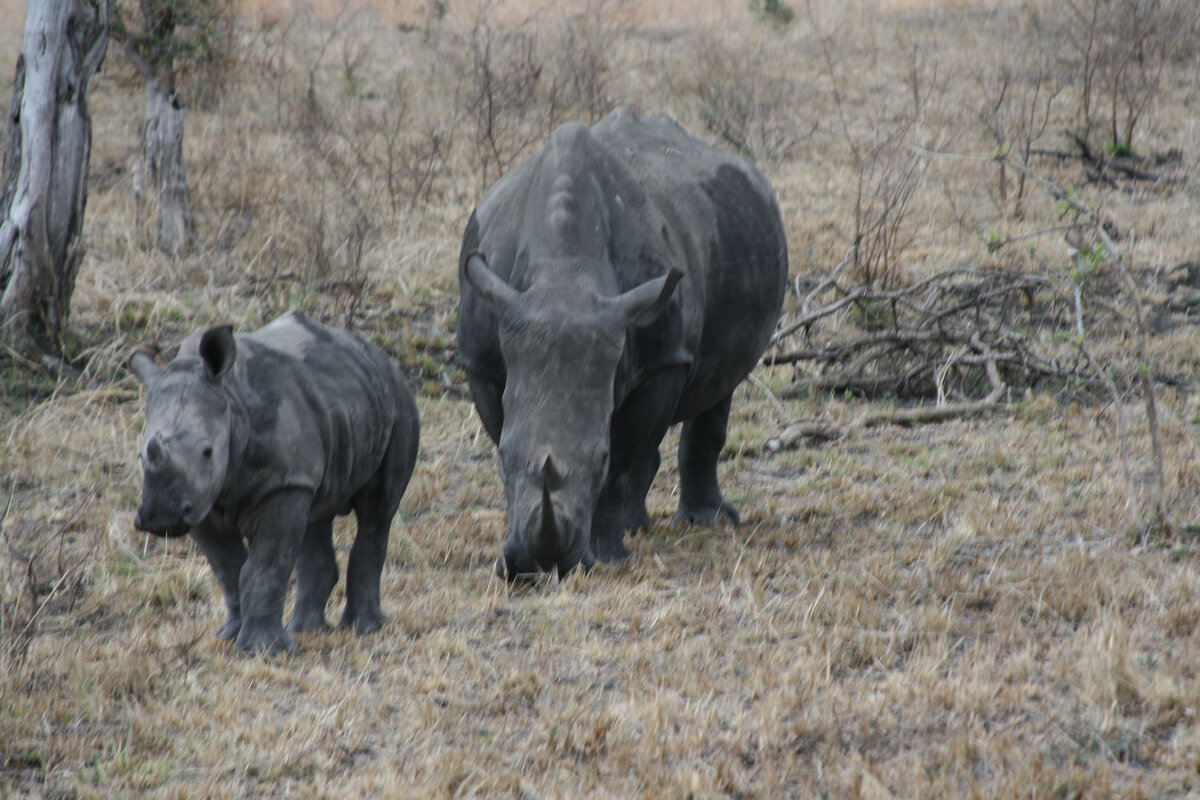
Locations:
(476, 271)
(218, 350)
(641, 304)
(142, 365)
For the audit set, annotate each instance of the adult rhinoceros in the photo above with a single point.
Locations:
(625, 278)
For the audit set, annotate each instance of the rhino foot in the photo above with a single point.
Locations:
(228, 632)
(636, 520)
(307, 623)
(708, 515)
(516, 576)
(364, 621)
(265, 639)
(611, 549)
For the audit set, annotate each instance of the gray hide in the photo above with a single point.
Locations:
(254, 443)
(624, 279)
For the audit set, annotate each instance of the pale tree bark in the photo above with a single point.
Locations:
(160, 176)
(44, 186)
(162, 156)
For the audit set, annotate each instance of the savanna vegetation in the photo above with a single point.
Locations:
(967, 470)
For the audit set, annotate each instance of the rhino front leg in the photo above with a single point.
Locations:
(226, 554)
(638, 427)
(316, 575)
(622, 507)
(700, 444)
(274, 532)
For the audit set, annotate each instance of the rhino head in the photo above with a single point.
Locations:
(561, 346)
(185, 449)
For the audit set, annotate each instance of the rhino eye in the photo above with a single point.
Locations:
(207, 453)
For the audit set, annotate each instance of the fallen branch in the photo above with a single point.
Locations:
(1101, 165)
(815, 433)
(933, 337)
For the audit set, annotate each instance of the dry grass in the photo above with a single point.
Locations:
(960, 610)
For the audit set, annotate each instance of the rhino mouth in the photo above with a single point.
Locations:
(167, 533)
(171, 532)
(165, 528)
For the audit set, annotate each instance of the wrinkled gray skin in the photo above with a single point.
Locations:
(254, 443)
(624, 279)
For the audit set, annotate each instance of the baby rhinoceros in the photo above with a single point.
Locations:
(254, 443)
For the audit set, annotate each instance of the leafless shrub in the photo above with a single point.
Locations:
(39, 571)
(887, 172)
(1095, 256)
(1117, 51)
(384, 137)
(744, 100)
(580, 59)
(501, 97)
(887, 175)
(368, 146)
(1018, 100)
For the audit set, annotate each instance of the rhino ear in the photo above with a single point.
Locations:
(642, 304)
(218, 350)
(476, 271)
(142, 365)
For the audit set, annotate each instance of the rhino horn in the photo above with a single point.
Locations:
(552, 477)
(477, 272)
(154, 452)
(548, 533)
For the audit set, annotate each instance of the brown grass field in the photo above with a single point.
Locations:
(963, 609)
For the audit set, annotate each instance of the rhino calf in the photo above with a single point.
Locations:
(254, 443)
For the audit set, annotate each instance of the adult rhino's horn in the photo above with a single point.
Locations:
(475, 270)
(546, 546)
(642, 304)
(549, 523)
(552, 478)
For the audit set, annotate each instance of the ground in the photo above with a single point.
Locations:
(979, 607)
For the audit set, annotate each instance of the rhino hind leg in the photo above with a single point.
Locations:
(374, 507)
(316, 575)
(363, 611)
(700, 443)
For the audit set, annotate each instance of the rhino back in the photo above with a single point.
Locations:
(665, 201)
(319, 404)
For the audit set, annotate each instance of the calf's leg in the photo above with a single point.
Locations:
(274, 531)
(316, 575)
(374, 507)
(226, 554)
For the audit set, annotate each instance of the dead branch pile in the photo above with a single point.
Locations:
(1111, 168)
(959, 336)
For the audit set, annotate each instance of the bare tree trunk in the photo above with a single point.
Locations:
(44, 187)
(159, 175)
(162, 154)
